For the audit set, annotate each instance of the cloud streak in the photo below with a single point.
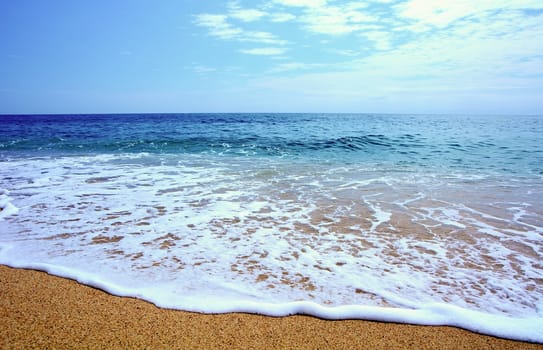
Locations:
(218, 26)
(264, 51)
(248, 15)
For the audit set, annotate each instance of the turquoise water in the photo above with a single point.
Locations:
(405, 218)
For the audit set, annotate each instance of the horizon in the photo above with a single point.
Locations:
(273, 56)
(275, 113)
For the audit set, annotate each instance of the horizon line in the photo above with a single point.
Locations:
(276, 113)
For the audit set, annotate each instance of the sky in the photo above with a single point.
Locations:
(373, 56)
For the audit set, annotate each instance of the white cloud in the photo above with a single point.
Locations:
(355, 5)
(321, 18)
(330, 25)
(264, 51)
(442, 13)
(247, 15)
(328, 21)
(439, 14)
(478, 54)
(302, 3)
(219, 27)
(263, 37)
(281, 17)
(492, 48)
(446, 52)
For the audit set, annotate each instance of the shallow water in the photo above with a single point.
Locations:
(335, 216)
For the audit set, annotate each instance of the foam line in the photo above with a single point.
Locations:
(435, 314)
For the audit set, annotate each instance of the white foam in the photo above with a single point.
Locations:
(201, 234)
(6, 207)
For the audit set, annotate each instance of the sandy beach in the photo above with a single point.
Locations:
(42, 311)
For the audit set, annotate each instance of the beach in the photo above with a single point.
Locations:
(42, 311)
(274, 174)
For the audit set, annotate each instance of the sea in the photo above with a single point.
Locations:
(421, 219)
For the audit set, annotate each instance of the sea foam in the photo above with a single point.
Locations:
(6, 207)
(277, 237)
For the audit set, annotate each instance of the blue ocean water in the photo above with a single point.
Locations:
(502, 143)
(424, 219)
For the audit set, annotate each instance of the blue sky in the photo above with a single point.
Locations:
(390, 56)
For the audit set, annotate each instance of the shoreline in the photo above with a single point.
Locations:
(38, 310)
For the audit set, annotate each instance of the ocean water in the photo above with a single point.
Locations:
(421, 219)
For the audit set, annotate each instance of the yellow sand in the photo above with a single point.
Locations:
(42, 311)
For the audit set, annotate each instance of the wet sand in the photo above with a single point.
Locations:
(42, 311)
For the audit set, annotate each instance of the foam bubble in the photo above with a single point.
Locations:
(6, 207)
